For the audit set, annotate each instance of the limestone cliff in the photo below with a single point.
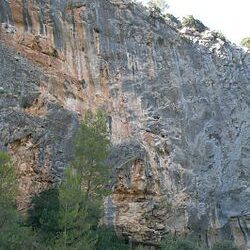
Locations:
(178, 105)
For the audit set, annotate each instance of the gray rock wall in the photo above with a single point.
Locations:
(178, 103)
(40, 143)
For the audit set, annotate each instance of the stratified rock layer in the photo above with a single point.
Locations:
(178, 105)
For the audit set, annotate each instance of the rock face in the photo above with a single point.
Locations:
(178, 105)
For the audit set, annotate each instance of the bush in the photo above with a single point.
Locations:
(226, 245)
(180, 243)
(172, 18)
(14, 234)
(246, 42)
(44, 212)
(54, 53)
(220, 35)
(140, 247)
(191, 22)
(107, 240)
(157, 8)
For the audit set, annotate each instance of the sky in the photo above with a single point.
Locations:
(230, 17)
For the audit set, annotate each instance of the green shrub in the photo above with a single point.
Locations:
(157, 8)
(246, 42)
(107, 240)
(220, 35)
(43, 214)
(226, 245)
(180, 243)
(140, 247)
(191, 22)
(14, 234)
(17, 236)
(172, 18)
(54, 53)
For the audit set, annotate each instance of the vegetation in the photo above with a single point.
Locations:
(73, 219)
(85, 184)
(13, 233)
(43, 215)
(191, 22)
(107, 240)
(226, 245)
(8, 186)
(220, 35)
(159, 4)
(246, 42)
(157, 7)
(67, 216)
(180, 243)
(54, 53)
(172, 17)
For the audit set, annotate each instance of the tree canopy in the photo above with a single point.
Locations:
(191, 22)
(85, 184)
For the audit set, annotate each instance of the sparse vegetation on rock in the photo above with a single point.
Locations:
(157, 8)
(191, 22)
(246, 42)
(180, 243)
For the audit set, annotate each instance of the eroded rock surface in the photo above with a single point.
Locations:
(178, 105)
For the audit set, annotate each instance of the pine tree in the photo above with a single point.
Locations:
(71, 215)
(158, 7)
(92, 146)
(85, 184)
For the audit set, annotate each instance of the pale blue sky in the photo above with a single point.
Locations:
(230, 17)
